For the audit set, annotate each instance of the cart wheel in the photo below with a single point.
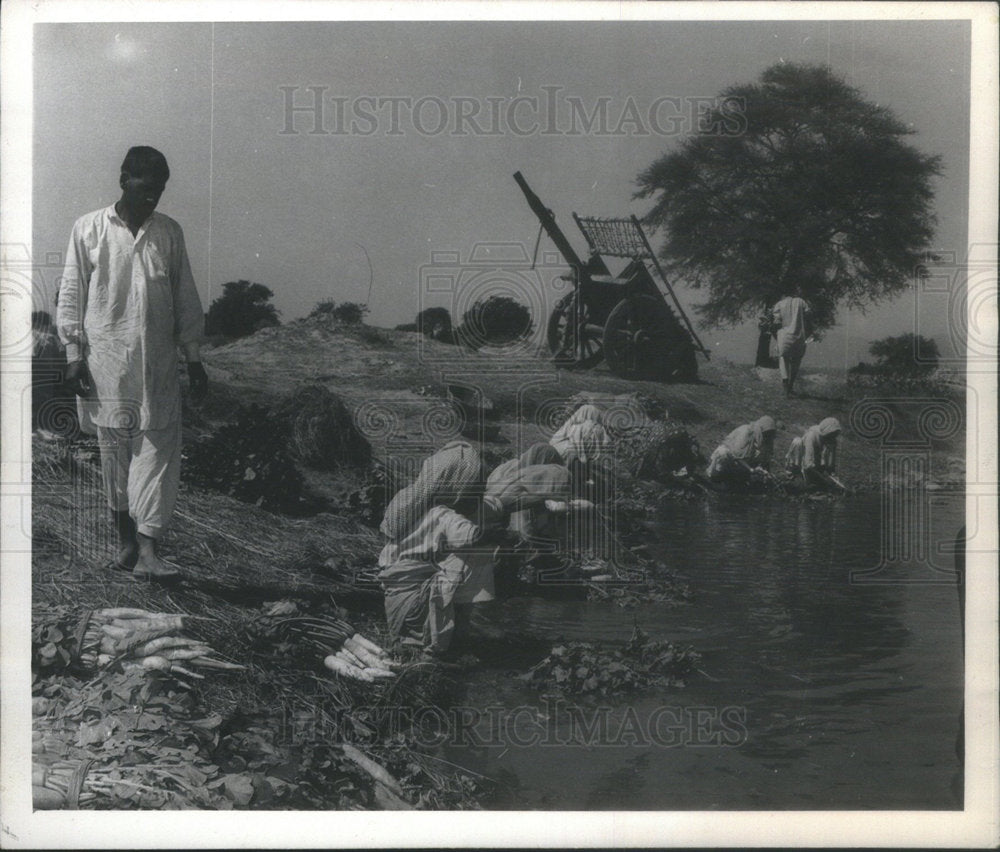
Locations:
(639, 342)
(561, 335)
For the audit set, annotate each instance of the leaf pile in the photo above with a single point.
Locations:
(249, 459)
(53, 639)
(580, 668)
(300, 766)
(148, 743)
(145, 742)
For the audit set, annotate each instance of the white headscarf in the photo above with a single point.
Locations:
(582, 436)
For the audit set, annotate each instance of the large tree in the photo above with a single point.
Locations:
(794, 181)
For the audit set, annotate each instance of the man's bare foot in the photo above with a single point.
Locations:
(128, 551)
(149, 564)
(128, 556)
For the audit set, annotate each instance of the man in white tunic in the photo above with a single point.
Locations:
(127, 301)
(791, 315)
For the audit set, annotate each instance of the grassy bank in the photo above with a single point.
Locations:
(274, 736)
(405, 373)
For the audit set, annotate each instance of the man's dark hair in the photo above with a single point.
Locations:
(142, 159)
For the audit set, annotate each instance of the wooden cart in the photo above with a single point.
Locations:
(624, 319)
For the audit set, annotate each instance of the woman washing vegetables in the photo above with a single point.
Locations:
(443, 531)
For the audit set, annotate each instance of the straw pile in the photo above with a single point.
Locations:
(319, 430)
(222, 546)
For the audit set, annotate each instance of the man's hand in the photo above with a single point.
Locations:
(77, 378)
(197, 380)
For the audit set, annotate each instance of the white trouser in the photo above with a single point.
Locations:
(790, 355)
(142, 473)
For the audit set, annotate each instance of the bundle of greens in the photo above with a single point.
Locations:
(580, 668)
(124, 739)
(132, 639)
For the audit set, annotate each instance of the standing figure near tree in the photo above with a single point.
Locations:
(126, 303)
(791, 315)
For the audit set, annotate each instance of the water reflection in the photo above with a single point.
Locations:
(851, 691)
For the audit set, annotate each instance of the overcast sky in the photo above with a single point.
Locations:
(294, 201)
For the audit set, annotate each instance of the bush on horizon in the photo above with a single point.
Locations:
(348, 313)
(906, 355)
(494, 321)
(242, 309)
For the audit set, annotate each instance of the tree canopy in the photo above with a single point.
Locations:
(242, 309)
(796, 181)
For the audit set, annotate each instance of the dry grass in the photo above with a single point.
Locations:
(234, 557)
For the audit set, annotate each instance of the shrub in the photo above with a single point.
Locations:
(496, 320)
(435, 323)
(347, 313)
(242, 309)
(323, 309)
(350, 313)
(905, 356)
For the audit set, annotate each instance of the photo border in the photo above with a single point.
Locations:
(20, 828)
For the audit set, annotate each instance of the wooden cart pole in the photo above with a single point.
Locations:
(548, 220)
(670, 290)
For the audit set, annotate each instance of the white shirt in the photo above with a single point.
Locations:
(441, 532)
(791, 312)
(125, 304)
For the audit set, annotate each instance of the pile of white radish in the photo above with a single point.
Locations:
(361, 659)
(146, 640)
(346, 652)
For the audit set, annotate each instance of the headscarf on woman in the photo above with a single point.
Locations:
(747, 444)
(445, 478)
(819, 445)
(583, 436)
(540, 454)
(829, 426)
(529, 523)
(535, 454)
(539, 482)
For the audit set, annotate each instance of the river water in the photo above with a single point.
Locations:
(815, 690)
